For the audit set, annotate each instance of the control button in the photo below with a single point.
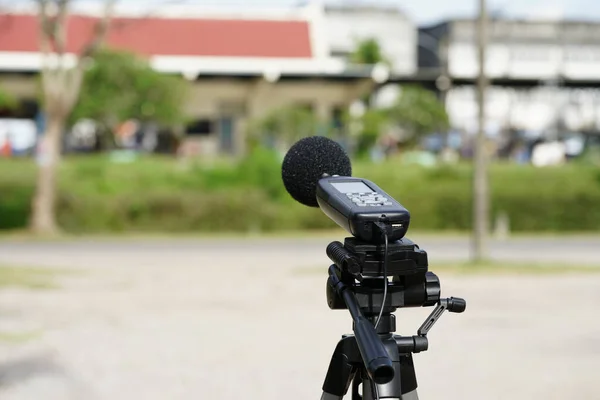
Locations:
(375, 205)
(387, 203)
(361, 204)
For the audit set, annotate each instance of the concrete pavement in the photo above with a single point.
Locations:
(213, 319)
(577, 251)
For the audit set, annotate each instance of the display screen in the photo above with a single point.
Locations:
(352, 187)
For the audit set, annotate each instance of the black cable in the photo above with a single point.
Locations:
(384, 232)
(385, 279)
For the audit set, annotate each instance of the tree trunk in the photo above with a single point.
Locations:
(43, 219)
(480, 180)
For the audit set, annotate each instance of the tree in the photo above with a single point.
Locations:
(368, 52)
(418, 112)
(61, 84)
(283, 126)
(119, 85)
(7, 100)
(481, 200)
(366, 129)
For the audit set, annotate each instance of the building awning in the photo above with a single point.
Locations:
(154, 36)
(272, 47)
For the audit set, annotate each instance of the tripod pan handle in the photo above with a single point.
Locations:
(375, 357)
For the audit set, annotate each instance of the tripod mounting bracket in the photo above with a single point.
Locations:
(362, 259)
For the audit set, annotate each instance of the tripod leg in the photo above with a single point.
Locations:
(410, 395)
(342, 369)
(358, 378)
(329, 396)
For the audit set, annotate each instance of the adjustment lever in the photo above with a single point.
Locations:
(453, 304)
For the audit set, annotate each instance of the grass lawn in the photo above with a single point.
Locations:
(28, 277)
(18, 337)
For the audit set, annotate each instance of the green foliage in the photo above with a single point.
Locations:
(261, 169)
(368, 51)
(119, 86)
(367, 129)
(284, 126)
(156, 194)
(7, 100)
(419, 112)
(416, 112)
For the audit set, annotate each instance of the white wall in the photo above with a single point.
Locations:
(396, 34)
(527, 109)
(526, 60)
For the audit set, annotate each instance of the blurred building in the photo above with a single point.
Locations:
(544, 74)
(347, 25)
(241, 63)
(245, 63)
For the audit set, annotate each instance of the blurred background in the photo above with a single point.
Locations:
(148, 248)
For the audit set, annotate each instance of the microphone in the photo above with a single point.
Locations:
(306, 162)
(316, 172)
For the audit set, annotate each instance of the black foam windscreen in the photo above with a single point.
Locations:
(306, 162)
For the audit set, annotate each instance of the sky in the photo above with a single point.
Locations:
(423, 12)
(431, 11)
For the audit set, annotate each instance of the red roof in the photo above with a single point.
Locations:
(174, 37)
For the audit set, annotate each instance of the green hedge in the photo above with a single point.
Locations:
(160, 194)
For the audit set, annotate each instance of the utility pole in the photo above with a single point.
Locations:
(480, 178)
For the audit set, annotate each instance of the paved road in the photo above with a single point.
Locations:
(247, 319)
(305, 251)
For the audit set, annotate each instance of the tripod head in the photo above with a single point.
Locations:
(356, 282)
(360, 267)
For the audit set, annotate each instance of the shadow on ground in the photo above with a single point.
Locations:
(17, 371)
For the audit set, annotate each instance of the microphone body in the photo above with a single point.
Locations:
(317, 172)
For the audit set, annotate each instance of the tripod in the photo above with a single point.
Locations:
(374, 359)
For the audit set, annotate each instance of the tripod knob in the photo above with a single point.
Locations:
(346, 261)
(456, 304)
